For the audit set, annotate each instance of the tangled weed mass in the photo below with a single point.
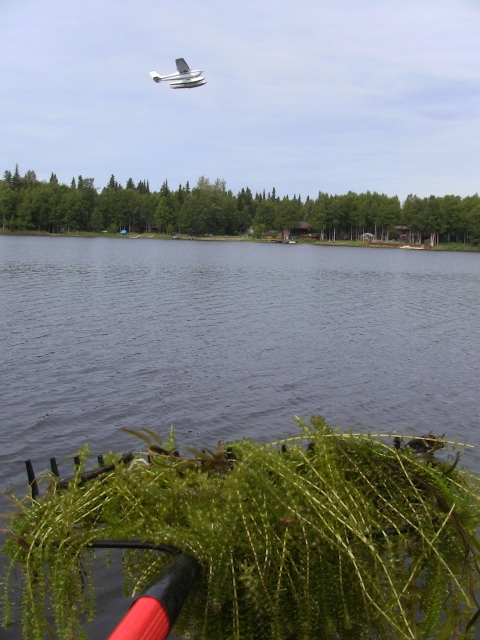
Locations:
(329, 534)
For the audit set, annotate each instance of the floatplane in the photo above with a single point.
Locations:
(185, 78)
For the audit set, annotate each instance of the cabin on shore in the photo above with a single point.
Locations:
(367, 237)
(301, 231)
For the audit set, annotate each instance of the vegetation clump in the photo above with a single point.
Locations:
(329, 534)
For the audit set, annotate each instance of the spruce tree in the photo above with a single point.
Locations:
(16, 179)
(143, 187)
(180, 195)
(164, 189)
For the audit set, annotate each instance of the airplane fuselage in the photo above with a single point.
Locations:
(187, 75)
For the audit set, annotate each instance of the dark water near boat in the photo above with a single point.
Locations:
(228, 340)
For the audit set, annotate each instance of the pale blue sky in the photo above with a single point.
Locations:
(330, 95)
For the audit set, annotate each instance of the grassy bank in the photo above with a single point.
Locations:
(337, 243)
(445, 246)
(456, 246)
(86, 234)
(133, 235)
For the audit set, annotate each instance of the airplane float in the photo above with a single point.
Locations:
(185, 78)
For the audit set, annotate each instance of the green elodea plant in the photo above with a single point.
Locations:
(330, 534)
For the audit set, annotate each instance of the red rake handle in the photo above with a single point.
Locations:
(146, 620)
(153, 615)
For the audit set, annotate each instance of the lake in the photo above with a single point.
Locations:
(225, 340)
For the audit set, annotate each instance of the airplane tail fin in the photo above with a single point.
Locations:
(155, 76)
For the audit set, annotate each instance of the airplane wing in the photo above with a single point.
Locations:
(182, 66)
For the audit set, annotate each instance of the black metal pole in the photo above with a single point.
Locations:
(133, 544)
(173, 585)
(54, 467)
(32, 481)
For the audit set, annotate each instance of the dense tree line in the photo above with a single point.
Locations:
(29, 204)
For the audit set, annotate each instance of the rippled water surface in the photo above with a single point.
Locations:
(226, 340)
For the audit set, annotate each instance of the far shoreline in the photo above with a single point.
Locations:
(450, 246)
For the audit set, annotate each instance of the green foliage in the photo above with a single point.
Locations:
(29, 204)
(209, 209)
(344, 538)
(318, 213)
(289, 213)
(265, 214)
(259, 230)
(164, 215)
(393, 233)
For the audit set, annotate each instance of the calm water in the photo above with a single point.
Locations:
(226, 340)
